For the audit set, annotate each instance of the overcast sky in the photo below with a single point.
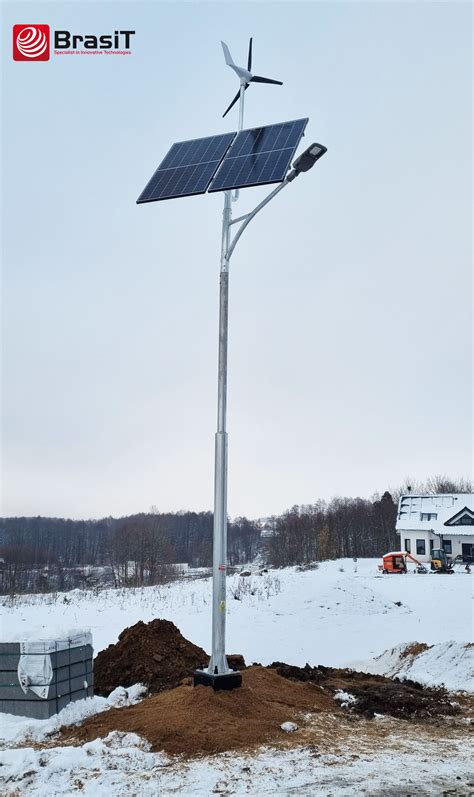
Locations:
(350, 299)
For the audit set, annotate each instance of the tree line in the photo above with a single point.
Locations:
(40, 554)
(354, 527)
(347, 527)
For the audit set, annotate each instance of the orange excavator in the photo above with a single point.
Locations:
(396, 562)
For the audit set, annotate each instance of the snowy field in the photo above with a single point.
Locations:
(332, 616)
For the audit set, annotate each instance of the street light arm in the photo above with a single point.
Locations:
(249, 216)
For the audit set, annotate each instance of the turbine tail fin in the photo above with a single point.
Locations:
(227, 55)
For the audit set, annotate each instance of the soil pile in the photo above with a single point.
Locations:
(415, 649)
(196, 720)
(155, 654)
(375, 694)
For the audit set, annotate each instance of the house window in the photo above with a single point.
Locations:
(408, 545)
(431, 545)
(420, 547)
(463, 520)
(448, 546)
(428, 516)
(467, 552)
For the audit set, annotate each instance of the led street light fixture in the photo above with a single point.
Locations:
(308, 158)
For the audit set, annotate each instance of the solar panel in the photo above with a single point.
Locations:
(187, 169)
(259, 156)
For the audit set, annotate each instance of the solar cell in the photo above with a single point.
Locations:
(187, 169)
(259, 156)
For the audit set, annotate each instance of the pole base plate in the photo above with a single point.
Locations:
(225, 680)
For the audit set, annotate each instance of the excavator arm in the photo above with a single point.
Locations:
(409, 556)
(420, 567)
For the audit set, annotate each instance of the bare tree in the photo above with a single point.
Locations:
(439, 484)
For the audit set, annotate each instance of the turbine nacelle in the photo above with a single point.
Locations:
(245, 75)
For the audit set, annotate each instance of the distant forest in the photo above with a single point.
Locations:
(40, 554)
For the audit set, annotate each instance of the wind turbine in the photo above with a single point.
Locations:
(245, 75)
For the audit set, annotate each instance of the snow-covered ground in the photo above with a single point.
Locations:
(121, 765)
(448, 664)
(332, 616)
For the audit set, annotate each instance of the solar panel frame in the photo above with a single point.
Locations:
(259, 156)
(187, 169)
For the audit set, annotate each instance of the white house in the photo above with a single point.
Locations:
(425, 522)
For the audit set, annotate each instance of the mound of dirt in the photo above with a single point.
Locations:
(155, 654)
(375, 694)
(196, 720)
(415, 649)
(188, 721)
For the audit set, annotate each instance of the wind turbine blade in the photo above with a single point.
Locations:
(258, 79)
(227, 55)
(249, 62)
(232, 104)
(234, 100)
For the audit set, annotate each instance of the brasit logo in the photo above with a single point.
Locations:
(31, 42)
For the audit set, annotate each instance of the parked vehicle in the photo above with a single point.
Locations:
(396, 562)
(441, 562)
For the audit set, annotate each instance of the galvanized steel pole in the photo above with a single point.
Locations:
(218, 663)
(218, 673)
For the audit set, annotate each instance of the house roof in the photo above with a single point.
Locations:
(444, 509)
(465, 510)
